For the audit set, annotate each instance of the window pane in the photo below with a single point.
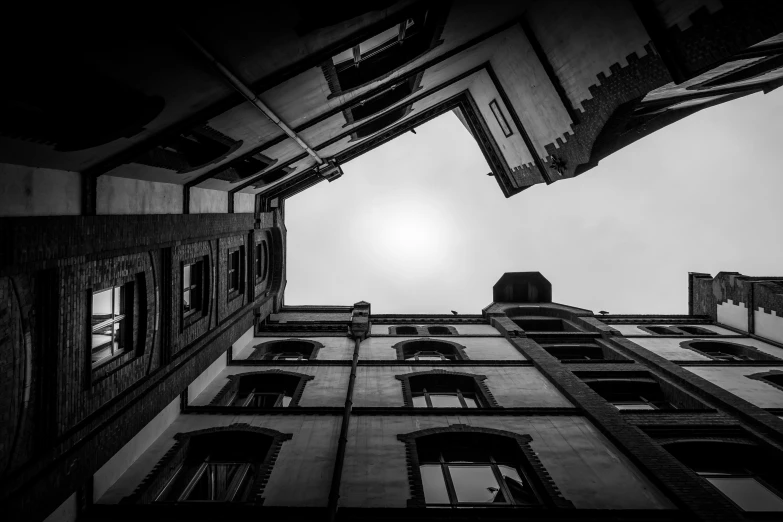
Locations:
(286, 401)
(434, 484)
(186, 301)
(633, 406)
(117, 301)
(420, 402)
(445, 401)
(264, 400)
(474, 483)
(748, 493)
(186, 276)
(380, 39)
(470, 401)
(101, 306)
(214, 483)
(519, 488)
(343, 56)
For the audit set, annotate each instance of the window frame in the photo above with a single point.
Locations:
(426, 345)
(505, 128)
(484, 397)
(227, 395)
(262, 350)
(238, 271)
(529, 466)
(746, 353)
(153, 487)
(124, 318)
(197, 266)
(262, 261)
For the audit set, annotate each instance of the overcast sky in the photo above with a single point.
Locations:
(416, 225)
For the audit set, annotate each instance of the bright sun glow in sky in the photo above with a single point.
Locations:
(416, 225)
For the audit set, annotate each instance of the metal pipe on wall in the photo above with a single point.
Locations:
(342, 442)
(243, 89)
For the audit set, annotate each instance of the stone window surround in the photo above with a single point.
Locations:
(480, 387)
(236, 292)
(260, 350)
(673, 394)
(167, 467)
(421, 330)
(400, 348)
(751, 351)
(675, 330)
(531, 466)
(763, 375)
(231, 386)
(189, 319)
(137, 321)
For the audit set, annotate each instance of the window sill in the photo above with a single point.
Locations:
(110, 365)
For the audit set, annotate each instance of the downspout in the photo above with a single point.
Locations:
(359, 331)
(251, 97)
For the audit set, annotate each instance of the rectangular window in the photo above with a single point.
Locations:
(234, 271)
(500, 118)
(192, 288)
(108, 323)
(261, 261)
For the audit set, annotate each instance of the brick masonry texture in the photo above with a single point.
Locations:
(38, 242)
(77, 417)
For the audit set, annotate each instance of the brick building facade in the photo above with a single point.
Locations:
(143, 336)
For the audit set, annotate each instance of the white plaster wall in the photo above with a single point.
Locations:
(633, 329)
(208, 201)
(476, 348)
(462, 329)
(31, 191)
(587, 468)
(734, 315)
(65, 512)
(327, 388)
(678, 12)
(734, 379)
(669, 347)
(206, 378)
(517, 387)
(134, 196)
(302, 472)
(585, 38)
(110, 472)
(335, 348)
(244, 202)
(512, 147)
(528, 87)
(768, 325)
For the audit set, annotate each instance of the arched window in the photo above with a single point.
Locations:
(631, 394)
(749, 476)
(723, 351)
(545, 324)
(774, 378)
(463, 466)
(429, 350)
(271, 389)
(439, 330)
(575, 352)
(384, 52)
(404, 330)
(440, 389)
(695, 330)
(286, 350)
(214, 465)
(660, 330)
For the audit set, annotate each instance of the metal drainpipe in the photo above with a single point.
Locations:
(334, 491)
(251, 97)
